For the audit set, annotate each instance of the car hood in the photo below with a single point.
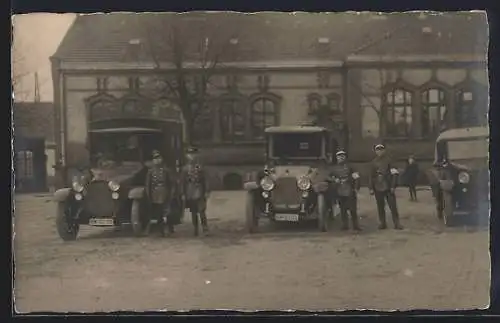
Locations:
(470, 165)
(315, 174)
(119, 173)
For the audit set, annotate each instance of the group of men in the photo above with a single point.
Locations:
(382, 182)
(164, 186)
(169, 192)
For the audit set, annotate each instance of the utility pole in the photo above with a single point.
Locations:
(37, 89)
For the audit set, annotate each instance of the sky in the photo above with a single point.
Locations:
(36, 37)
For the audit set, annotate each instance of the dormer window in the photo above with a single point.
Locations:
(323, 40)
(234, 41)
(134, 41)
(427, 30)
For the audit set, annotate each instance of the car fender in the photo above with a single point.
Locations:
(136, 193)
(250, 186)
(320, 187)
(62, 194)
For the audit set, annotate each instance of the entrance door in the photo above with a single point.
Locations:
(30, 166)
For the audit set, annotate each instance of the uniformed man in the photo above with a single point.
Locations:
(382, 184)
(195, 190)
(159, 191)
(346, 185)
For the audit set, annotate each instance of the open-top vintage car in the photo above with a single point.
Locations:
(460, 177)
(110, 190)
(294, 183)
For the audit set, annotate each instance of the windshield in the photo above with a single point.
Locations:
(467, 149)
(296, 146)
(117, 148)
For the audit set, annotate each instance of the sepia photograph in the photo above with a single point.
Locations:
(260, 161)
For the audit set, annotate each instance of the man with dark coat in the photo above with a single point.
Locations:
(382, 184)
(195, 190)
(159, 191)
(346, 185)
(411, 177)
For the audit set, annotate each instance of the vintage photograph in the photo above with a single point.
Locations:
(250, 161)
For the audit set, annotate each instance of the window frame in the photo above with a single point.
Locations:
(276, 102)
(244, 108)
(386, 105)
(426, 106)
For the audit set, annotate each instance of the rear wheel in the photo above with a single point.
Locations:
(322, 213)
(252, 220)
(66, 228)
(136, 218)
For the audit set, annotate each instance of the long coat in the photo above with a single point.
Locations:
(383, 174)
(194, 184)
(160, 184)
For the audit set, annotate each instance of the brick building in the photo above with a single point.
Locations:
(368, 77)
(34, 146)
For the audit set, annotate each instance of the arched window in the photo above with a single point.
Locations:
(263, 114)
(398, 112)
(434, 111)
(314, 102)
(232, 119)
(333, 102)
(203, 125)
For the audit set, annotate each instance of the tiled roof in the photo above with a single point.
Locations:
(273, 36)
(34, 120)
(443, 34)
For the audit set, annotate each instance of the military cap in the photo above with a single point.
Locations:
(379, 147)
(341, 153)
(156, 154)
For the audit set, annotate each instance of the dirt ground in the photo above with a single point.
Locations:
(289, 267)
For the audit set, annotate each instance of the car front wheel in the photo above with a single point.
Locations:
(66, 228)
(136, 219)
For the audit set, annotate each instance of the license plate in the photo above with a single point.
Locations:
(287, 217)
(102, 222)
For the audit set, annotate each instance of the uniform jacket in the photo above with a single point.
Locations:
(383, 174)
(345, 180)
(194, 182)
(411, 173)
(159, 184)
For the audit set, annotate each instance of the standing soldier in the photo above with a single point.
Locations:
(382, 183)
(346, 186)
(159, 190)
(195, 190)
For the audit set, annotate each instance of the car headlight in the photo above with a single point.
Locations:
(113, 186)
(463, 177)
(267, 183)
(77, 187)
(304, 183)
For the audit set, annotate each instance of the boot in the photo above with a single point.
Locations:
(355, 224)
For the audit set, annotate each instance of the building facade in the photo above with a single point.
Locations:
(34, 146)
(397, 79)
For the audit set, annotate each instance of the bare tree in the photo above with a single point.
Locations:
(187, 49)
(18, 73)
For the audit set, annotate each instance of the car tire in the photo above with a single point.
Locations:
(322, 214)
(447, 201)
(136, 219)
(252, 221)
(66, 230)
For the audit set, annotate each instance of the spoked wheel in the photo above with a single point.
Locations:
(66, 228)
(322, 214)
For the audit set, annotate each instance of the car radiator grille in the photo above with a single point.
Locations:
(286, 192)
(98, 201)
